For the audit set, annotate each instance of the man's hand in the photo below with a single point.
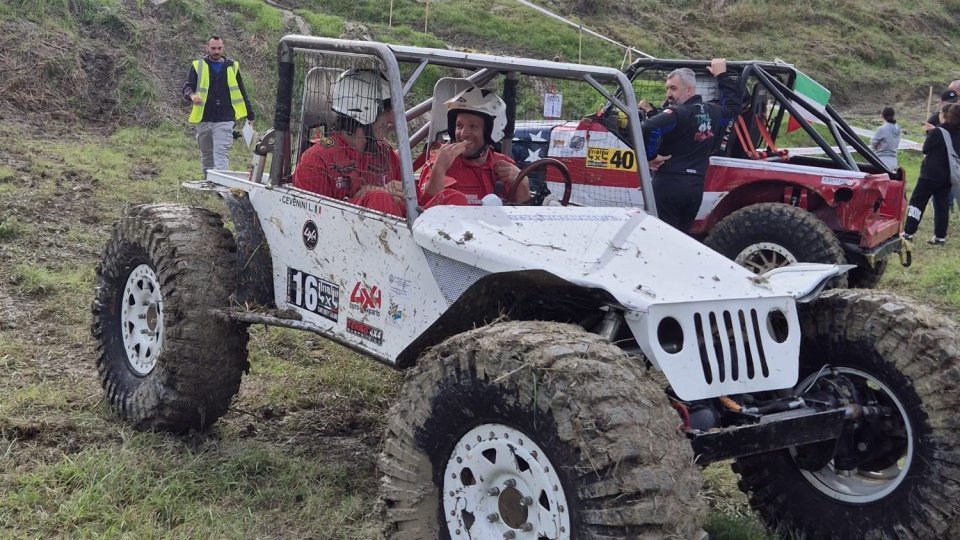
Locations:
(505, 172)
(927, 126)
(196, 99)
(656, 162)
(717, 66)
(442, 160)
(645, 106)
(394, 188)
(446, 154)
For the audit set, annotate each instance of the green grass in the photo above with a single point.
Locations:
(10, 228)
(153, 486)
(255, 15)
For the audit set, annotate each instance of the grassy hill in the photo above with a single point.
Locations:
(121, 62)
(91, 119)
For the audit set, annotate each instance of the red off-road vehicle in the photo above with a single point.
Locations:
(833, 201)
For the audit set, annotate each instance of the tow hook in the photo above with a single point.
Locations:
(905, 252)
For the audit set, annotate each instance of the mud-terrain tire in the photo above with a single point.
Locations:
(164, 361)
(552, 413)
(865, 277)
(767, 235)
(907, 358)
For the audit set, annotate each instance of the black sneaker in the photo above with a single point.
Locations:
(937, 241)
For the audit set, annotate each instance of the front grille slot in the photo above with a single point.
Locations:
(730, 345)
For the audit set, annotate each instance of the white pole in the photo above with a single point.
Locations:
(390, 22)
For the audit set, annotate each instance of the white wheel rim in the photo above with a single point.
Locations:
(141, 319)
(863, 487)
(498, 483)
(764, 256)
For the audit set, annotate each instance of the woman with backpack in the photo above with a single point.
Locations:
(934, 178)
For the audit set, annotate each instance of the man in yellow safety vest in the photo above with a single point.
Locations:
(215, 89)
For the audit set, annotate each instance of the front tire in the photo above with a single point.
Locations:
(765, 236)
(883, 352)
(164, 361)
(535, 430)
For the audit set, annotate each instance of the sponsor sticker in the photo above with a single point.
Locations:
(831, 181)
(396, 314)
(366, 299)
(611, 158)
(310, 234)
(399, 285)
(365, 331)
(313, 294)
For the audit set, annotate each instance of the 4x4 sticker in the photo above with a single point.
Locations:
(366, 299)
(310, 234)
(313, 294)
(365, 331)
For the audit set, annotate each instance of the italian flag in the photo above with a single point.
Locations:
(813, 93)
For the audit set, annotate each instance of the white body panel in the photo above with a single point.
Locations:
(393, 283)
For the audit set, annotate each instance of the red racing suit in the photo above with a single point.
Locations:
(333, 168)
(474, 180)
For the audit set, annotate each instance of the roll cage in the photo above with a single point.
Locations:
(763, 80)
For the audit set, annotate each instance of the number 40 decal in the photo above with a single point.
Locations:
(623, 159)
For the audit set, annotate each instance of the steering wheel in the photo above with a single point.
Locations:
(540, 163)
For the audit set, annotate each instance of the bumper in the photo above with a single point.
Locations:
(869, 256)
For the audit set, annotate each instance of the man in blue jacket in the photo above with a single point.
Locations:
(680, 139)
(215, 89)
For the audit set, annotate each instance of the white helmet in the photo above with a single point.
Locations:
(361, 94)
(483, 102)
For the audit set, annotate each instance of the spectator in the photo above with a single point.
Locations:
(215, 88)
(355, 163)
(934, 180)
(476, 119)
(886, 140)
(681, 138)
(950, 95)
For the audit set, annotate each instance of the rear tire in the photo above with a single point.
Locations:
(765, 236)
(901, 357)
(164, 361)
(539, 410)
(865, 277)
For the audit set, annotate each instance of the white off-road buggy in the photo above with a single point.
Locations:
(570, 366)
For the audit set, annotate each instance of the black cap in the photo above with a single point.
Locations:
(949, 96)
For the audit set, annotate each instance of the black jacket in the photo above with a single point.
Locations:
(935, 169)
(689, 132)
(218, 107)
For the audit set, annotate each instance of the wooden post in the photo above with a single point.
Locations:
(390, 20)
(426, 16)
(929, 101)
(580, 45)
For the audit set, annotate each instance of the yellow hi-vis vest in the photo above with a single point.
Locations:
(203, 86)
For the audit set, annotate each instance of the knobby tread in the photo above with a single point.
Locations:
(202, 359)
(610, 431)
(798, 231)
(916, 351)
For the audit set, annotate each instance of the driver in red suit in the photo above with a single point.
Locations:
(475, 120)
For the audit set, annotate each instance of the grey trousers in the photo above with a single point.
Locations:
(214, 139)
